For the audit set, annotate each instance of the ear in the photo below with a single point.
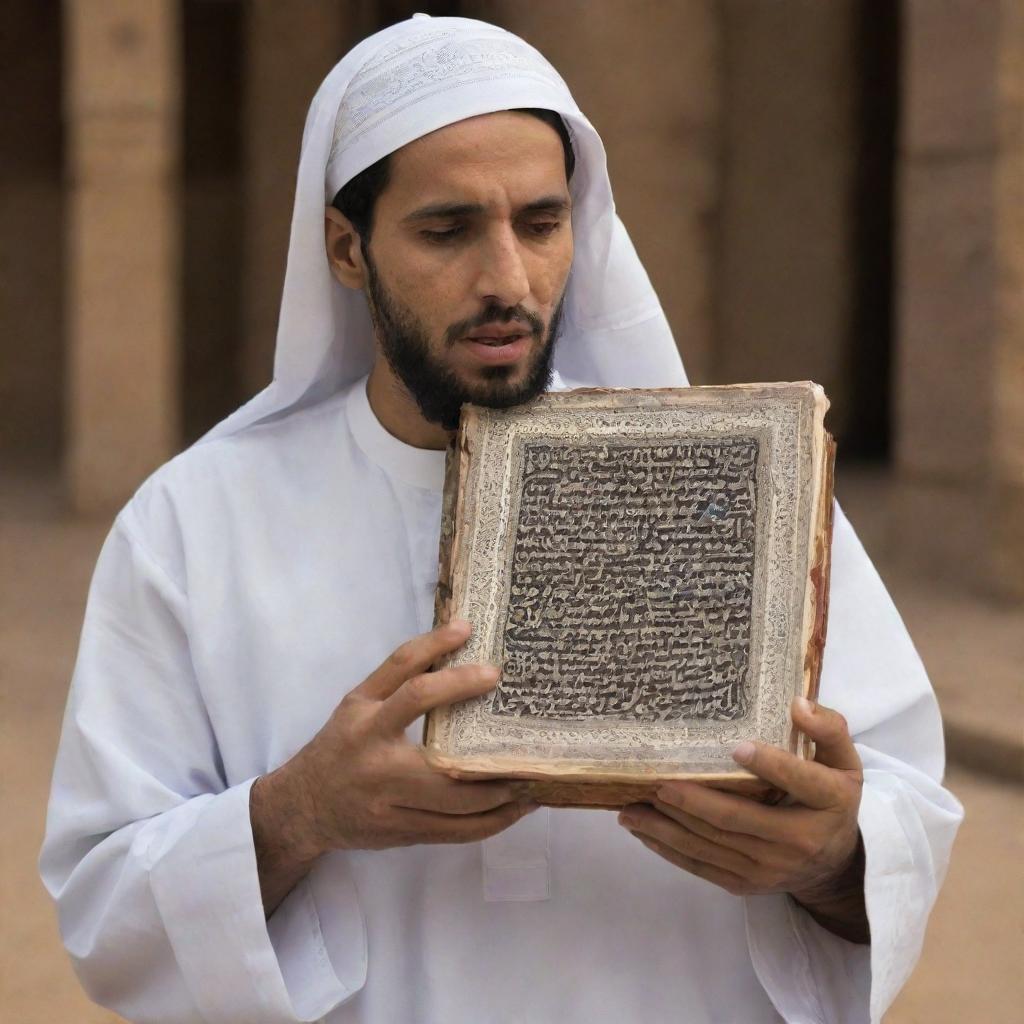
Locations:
(344, 252)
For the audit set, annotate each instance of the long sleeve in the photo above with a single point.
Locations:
(149, 852)
(872, 675)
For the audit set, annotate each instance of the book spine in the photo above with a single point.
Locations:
(444, 597)
(443, 593)
(819, 579)
(456, 469)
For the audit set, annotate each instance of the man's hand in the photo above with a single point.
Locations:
(810, 848)
(360, 784)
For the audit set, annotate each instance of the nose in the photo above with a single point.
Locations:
(502, 277)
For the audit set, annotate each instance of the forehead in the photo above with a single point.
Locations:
(510, 151)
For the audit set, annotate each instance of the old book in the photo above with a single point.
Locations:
(650, 569)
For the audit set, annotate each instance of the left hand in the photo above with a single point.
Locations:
(809, 848)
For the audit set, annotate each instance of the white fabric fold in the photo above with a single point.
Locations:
(517, 861)
(319, 937)
(237, 967)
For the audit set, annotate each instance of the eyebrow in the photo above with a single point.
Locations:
(546, 204)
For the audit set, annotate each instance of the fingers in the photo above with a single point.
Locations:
(727, 812)
(412, 658)
(821, 783)
(650, 823)
(811, 784)
(442, 795)
(750, 846)
(419, 694)
(721, 877)
(431, 827)
(833, 744)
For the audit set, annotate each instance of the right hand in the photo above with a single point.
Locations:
(361, 785)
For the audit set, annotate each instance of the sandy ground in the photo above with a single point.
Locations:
(971, 967)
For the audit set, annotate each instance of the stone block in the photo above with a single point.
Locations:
(963, 536)
(950, 60)
(123, 321)
(118, 54)
(946, 277)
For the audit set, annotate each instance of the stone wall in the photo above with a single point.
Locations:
(960, 370)
(735, 138)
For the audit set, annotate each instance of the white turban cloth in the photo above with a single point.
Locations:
(399, 85)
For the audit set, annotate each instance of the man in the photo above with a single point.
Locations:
(242, 827)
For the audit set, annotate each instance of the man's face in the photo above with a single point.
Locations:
(465, 271)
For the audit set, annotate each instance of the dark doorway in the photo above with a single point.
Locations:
(870, 345)
(212, 212)
(32, 356)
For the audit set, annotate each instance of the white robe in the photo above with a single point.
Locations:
(253, 581)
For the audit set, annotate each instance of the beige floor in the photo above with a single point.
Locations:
(974, 649)
(971, 970)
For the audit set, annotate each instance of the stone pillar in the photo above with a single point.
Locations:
(646, 74)
(784, 291)
(289, 48)
(122, 107)
(960, 355)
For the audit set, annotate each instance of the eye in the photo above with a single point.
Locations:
(543, 228)
(440, 237)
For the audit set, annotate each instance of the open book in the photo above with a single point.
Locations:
(650, 569)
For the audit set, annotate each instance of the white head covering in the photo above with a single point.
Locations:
(394, 87)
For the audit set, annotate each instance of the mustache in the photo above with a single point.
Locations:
(495, 314)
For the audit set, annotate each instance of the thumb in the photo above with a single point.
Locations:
(828, 729)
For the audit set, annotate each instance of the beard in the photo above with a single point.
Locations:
(437, 391)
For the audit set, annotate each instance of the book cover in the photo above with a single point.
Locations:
(650, 569)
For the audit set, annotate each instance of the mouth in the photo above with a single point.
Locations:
(497, 344)
(494, 350)
(496, 335)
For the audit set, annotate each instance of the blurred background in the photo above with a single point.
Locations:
(820, 189)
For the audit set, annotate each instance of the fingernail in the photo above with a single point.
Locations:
(627, 820)
(804, 705)
(744, 753)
